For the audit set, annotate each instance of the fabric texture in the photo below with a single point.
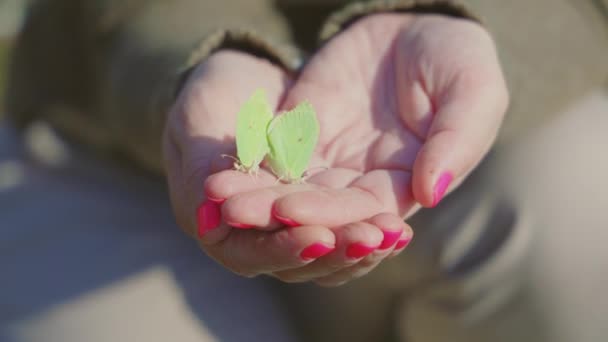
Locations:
(121, 63)
(105, 72)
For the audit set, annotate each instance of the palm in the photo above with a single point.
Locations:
(353, 85)
(377, 98)
(401, 103)
(362, 130)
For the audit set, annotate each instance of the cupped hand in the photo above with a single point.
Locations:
(407, 104)
(199, 130)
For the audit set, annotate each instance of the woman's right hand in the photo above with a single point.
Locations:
(199, 130)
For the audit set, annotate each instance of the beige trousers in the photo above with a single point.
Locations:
(539, 270)
(90, 253)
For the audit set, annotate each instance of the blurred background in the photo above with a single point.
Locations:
(11, 15)
(71, 238)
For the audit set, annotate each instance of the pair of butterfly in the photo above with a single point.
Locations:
(286, 141)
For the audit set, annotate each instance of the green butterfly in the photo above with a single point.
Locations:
(292, 138)
(251, 124)
(287, 140)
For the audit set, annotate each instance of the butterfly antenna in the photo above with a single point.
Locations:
(253, 174)
(277, 181)
(231, 157)
(237, 163)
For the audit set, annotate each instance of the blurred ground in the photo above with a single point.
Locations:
(4, 48)
(11, 15)
(63, 218)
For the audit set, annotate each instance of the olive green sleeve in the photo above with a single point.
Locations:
(341, 19)
(105, 72)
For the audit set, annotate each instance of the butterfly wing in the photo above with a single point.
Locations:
(292, 138)
(251, 125)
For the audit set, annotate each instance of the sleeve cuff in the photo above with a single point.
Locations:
(286, 57)
(340, 20)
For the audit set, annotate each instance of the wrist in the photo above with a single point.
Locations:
(352, 13)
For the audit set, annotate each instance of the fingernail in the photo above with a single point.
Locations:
(208, 216)
(285, 220)
(401, 244)
(316, 250)
(440, 188)
(358, 250)
(390, 237)
(240, 225)
(216, 200)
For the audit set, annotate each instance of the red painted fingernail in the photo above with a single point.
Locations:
(208, 216)
(216, 200)
(286, 221)
(358, 250)
(440, 188)
(390, 237)
(316, 250)
(240, 225)
(401, 244)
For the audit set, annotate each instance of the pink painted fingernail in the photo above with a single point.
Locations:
(208, 216)
(316, 250)
(216, 200)
(286, 221)
(240, 225)
(358, 250)
(440, 188)
(390, 237)
(401, 244)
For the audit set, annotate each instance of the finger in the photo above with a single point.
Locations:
(254, 208)
(328, 207)
(393, 228)
(353, 242)
(225, 184)
(251, 252)
(195, 215)
(401, 245)
(391, 187)
(300, 204)
(334, 178)
(465, 125)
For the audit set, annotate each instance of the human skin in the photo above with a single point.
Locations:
(407, 104)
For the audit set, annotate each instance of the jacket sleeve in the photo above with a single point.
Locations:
(341, 19)
(105, 72)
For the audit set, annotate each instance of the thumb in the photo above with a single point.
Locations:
(465, 125)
